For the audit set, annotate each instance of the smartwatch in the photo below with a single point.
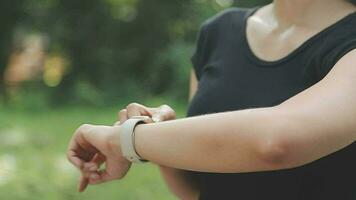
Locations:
(127, 138)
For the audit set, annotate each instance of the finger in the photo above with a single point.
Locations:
(167, 112)
(163, 113)
(149, 120)
(98, 158)
(76, 161)
(135, 109)
(83, 183)
(94, 178)
(114, 170)
(90, 167)
(157, 117)
(122, 116)
(72, 152)
(95, 163)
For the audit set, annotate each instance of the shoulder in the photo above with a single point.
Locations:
(342, 31)
(227, 14)
(345, 66)
(212, 32)
(221, 24)
(225, 17)
(338, 43)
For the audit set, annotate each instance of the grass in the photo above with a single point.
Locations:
(33, 165)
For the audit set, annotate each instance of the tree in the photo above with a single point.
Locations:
(112, 45)
(9, 17)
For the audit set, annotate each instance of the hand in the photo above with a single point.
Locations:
(90, 147)
(161, 113)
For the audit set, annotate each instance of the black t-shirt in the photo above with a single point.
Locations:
(231, 77)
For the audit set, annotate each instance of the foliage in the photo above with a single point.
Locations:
(9, 17)
(115, 51)
(114, 48)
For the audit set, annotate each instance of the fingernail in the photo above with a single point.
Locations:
(93, 168)
(156, 118)
(87, 165)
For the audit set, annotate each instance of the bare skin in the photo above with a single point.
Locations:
(182, 183)
(276, 30)
(297, 132)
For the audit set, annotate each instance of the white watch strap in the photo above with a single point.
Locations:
(127, 139)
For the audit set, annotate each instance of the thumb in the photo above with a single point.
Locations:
(163, 113)
(157, 117)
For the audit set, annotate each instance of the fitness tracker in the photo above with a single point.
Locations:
(127, 138)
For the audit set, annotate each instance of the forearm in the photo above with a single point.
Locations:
(244, 141)
(182, 183)
(241, 140)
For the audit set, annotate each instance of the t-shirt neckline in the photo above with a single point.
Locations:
(304, 45)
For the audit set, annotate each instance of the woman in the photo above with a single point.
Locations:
(281, 79)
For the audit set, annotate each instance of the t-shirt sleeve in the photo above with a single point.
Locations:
(334, 55)
(208, 38)
(200, 54)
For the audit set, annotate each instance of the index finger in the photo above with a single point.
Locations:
(122, 116)
(83, 183)
(72, 154)
(74, 159)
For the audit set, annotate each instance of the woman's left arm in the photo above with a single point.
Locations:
(315, 123)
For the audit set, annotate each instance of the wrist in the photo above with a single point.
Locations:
(114, 140)
(139, 131)
(128, 137)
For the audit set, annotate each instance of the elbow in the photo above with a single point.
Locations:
(274, 153)
(278, 150)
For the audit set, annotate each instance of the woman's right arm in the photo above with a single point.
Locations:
(183, 184)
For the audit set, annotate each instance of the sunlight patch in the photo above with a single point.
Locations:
(13, 137)
(64, 172)
(63, 165)
(7, 168)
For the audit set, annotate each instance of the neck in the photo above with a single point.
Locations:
(304, 11)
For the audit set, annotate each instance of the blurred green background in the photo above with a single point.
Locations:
(68, 62)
